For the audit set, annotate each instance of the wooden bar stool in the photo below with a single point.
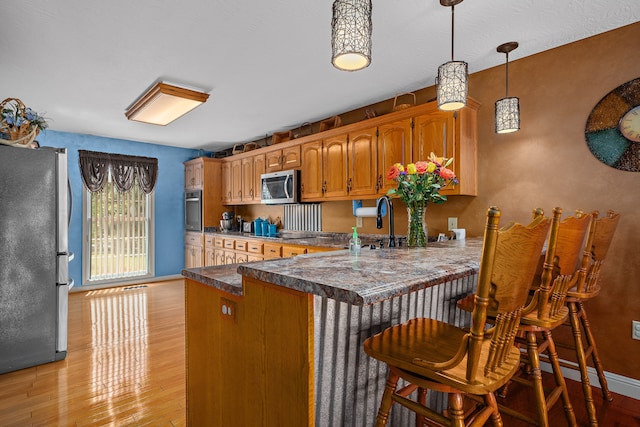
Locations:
(433, 355)
(587, 287)
(546, 311)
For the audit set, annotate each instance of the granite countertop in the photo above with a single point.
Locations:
(372, 276)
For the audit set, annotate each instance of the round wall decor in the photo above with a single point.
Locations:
(613, 128)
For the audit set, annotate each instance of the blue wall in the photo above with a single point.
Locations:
(168, 194)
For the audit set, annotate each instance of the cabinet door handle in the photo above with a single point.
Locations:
(302, 187)
(349, 185)
(324, 187)
(251, 193)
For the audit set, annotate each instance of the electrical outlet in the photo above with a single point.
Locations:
(452, 222)
(359, 221)
(635, 329)
(228, 309)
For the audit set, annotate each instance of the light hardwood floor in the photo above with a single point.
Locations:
(125, 364)
(126, 367)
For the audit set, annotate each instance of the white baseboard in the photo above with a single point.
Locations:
(127, 283)
(625, 386)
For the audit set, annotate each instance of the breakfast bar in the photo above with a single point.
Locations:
(279, 342)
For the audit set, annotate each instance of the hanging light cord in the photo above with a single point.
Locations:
(452, 28)
(507, 76)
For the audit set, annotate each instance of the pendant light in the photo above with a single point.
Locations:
(507, 108)
(453, 76)
(351, 34)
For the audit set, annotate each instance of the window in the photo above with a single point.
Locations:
(118, 234)
(117, 229)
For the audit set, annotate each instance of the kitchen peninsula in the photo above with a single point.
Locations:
(279, 342)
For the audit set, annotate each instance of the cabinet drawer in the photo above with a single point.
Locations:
(272, 250)
(229, 244)
(241, 258)
(208, 240)
(254, 247)
(193, 239)
(241, 245)
(219, 243)
(289, 251)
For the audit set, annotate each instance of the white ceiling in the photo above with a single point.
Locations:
(266, 64)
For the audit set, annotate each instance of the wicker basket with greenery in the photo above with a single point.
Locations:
(19, 125)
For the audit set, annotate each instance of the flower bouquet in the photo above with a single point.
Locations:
(19, 125)
(419, 184)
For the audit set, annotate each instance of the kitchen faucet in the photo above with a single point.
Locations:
(392, 238)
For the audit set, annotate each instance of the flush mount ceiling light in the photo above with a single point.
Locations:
(453, 76)
(507, 108)
(164, 103)
(351, 34)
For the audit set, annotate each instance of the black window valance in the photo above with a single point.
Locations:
(95, 166)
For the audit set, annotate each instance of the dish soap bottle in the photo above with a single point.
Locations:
(354, 243)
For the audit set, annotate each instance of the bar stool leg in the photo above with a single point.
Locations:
(490, 400)
(557, 373)
(541, 406)
(387, 401)
(591, 343)
(582, 364)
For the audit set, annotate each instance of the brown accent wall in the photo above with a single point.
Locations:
(547, 164)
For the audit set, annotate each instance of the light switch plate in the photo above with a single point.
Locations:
(359, 221)
(452, 222)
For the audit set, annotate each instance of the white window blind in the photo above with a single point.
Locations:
(118, 233)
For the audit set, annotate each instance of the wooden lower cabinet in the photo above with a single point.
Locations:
(229, 257)
(193, 250)
(293, 250)
(253, 366)
(219, 250)
(219, 257)
(272, 250)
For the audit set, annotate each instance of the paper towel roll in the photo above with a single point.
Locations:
(366, 212)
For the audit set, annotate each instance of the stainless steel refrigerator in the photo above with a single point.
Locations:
(34, 257)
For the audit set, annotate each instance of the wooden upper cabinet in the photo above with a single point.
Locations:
(291, 157)
(259, 167)
(434, 133)
(362, 162)
(236, 181)
(194, 175)
(273, 161)
(247, 179)
(226, 182)
(284, 159)
(450, 134)
(394, 146)
(334, 170)
(311, 171)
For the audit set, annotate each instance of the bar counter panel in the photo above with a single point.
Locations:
(291, 351)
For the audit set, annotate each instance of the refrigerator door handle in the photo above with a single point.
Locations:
(70, 193)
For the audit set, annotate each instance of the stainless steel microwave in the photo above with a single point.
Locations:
(278, 188)
(193, 210)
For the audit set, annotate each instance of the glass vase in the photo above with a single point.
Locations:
(417, 232)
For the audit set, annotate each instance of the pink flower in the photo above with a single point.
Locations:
(447, 173)
(421, 167)
(393, 172)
